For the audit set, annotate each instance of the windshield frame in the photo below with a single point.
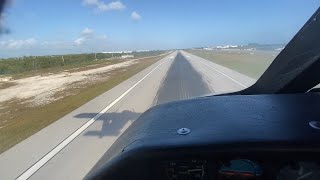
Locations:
(296, 68)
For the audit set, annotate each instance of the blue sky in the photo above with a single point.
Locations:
(41, 27)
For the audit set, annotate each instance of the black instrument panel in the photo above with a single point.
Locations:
(185, 169)
(276, 133)
(239, 169)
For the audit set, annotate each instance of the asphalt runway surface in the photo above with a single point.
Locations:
(69, 147)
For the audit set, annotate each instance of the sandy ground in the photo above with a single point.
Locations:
(40, 90)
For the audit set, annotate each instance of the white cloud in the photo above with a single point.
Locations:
(90, 2)
(102, 6)
(87, 32)
(116, 5)
(86, 35)
(80, 41)
(17, 44)
(135, 16)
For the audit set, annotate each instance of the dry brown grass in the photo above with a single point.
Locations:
(4, 85)
(250, 63)
(19, 120)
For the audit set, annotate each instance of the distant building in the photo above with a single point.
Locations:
(227, 46)
(110, 52)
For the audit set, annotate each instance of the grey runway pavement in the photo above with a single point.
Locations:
(182, 81)
(178, 76)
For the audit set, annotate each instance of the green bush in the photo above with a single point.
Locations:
(34, 63)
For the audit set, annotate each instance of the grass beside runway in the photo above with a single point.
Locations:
(29, 120)
(250, 63)
(37, 65)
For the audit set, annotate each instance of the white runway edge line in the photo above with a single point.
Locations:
(35, 167)
(225, 75)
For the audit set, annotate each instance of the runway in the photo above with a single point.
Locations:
(69, 148)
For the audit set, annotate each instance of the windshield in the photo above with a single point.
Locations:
(74, 75)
